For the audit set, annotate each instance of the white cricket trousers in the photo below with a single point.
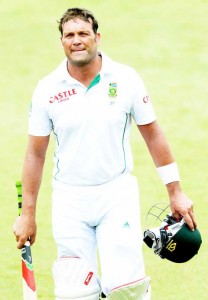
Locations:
(104, 218)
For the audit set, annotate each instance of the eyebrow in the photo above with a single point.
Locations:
(72, 32)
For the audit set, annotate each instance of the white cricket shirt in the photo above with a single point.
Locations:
(90, 125)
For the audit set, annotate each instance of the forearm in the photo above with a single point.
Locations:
(181, 205)
(25, 226)
(31, 180)
(32, 173)
(157, 145)
(163, 159)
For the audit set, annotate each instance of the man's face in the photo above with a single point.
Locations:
(79, 42)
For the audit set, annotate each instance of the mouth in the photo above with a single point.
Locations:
(78, 50)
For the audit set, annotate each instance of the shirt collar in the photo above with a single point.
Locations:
(107, 64)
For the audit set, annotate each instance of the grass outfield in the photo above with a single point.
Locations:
(166, 42)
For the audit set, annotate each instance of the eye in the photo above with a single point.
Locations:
(83, 34)
(69, 35)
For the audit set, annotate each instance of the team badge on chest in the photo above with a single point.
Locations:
(112, 90)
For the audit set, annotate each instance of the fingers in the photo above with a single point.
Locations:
(22, 236)
(188, 216)
(20, 243)
(193, 219)
(190, 220)
(20, 240)
(177, 216)
(186, 212)
(32, 239)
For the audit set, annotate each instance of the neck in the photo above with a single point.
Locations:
(86, 73)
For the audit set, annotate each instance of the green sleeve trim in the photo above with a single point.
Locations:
(123, 143)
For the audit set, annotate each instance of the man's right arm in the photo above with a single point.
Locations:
(25, 225)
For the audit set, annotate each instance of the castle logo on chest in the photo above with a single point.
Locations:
(62, 96)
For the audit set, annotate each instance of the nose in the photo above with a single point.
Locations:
(76, 40)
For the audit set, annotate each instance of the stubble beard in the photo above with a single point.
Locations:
(83, 60)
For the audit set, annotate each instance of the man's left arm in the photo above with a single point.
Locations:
(181, 205)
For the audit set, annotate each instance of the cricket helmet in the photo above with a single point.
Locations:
(173, 239)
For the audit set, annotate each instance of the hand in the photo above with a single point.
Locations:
(182, 206)
(24, 229)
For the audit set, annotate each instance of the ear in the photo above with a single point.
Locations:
(97, 38)
(61, 40)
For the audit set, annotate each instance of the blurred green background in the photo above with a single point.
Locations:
(166, 42)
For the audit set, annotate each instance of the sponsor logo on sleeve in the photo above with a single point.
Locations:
(146, 99)
(88, 278)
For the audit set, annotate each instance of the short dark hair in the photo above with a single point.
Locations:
(74, 13)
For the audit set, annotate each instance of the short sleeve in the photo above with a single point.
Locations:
(142, 109)
(39, 122)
